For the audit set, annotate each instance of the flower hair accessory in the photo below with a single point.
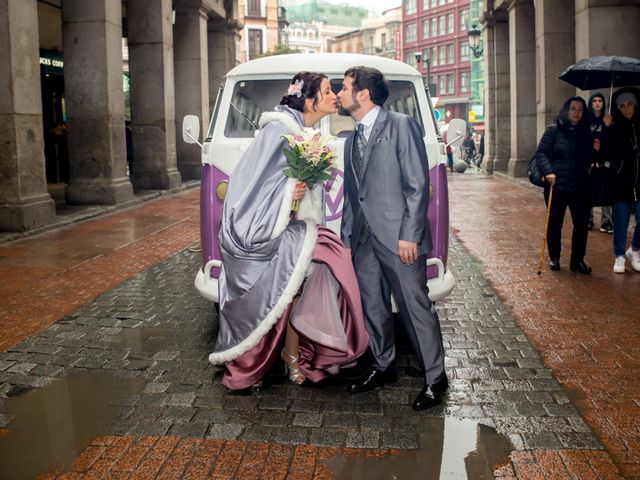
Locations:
(296, 88)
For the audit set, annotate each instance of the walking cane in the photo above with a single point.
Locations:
(546, 226)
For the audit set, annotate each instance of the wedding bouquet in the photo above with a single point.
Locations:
(309, 157)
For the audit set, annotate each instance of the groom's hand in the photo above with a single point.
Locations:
(407, 251)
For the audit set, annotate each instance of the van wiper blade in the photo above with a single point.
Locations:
(244, 116)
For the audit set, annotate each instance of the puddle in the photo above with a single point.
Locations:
(145, 339)
(449, 449)
(53, 424)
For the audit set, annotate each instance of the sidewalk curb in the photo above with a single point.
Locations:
(86, 212)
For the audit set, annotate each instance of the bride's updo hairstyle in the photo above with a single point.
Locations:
(303, 85)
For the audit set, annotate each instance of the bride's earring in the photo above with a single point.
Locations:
(295, 373)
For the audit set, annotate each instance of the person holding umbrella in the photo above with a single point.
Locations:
(625, 165)
(564, 156)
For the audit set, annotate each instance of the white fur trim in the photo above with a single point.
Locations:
(284, 214)
(311, 205)
(286, 119)
(297, 277)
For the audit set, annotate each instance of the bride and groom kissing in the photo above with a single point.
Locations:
(290, 288)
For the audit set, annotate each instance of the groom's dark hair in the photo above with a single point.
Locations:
(372, 79)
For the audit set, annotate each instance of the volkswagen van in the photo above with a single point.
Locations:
(257, 86)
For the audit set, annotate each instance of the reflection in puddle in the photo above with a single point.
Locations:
(144, 339)
(449, 449)
(53, 424)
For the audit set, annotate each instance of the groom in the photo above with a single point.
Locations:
(385, 225)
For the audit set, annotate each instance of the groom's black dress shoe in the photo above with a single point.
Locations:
(431, 395)
(581, 267)
(554, 264)
(372, 379)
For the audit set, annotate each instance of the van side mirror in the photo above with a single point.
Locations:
(191, 129)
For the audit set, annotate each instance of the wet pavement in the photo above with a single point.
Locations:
(524, 401)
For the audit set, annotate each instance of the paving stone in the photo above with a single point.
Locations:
(291, 435)
(496, 377)
(329, 436)
(22, 367)
(363, 439)
(399, 440)
(189, 429)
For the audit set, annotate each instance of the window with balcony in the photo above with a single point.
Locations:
(450, 83)
(410, 7)
(450, 54)
(434, 56)
(464, 52)
(254, 8)
(410, 33)
(434, 27)
(464, 19)
(442, 55)
(425, 29)
(255, 43)
(450, 23)
(441, 25)
(464, 81)
(410, 59)
(441, 84)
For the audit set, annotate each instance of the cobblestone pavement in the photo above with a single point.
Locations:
(177, 422)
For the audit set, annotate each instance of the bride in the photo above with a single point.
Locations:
(287, 286)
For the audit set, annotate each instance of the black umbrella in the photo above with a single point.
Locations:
(603, 72)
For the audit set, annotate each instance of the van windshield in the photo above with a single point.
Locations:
(253, 97)
(402, 98)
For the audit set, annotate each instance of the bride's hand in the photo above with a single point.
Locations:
(298, 191)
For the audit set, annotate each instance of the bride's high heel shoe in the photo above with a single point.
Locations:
(295, 373)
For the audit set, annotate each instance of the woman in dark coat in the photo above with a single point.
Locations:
(625, 165)
(564, 156)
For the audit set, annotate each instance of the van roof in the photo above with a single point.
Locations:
(327, 63)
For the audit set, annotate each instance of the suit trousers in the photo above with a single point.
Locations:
(380, 273)
(578, 204)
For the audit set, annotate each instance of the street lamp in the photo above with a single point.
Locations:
(427, 64)
(474, 41)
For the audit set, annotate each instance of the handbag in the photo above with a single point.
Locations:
(600, 187)
(533, 170)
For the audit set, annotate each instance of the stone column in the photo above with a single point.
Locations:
(92, 40)
(503, 95)
(522, 48)
(605, 27)
(221, 37)
(191, 66)
(555, 47)
(153, 126)
(24, 201)
(489, 96)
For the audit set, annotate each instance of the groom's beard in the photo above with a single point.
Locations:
(348, 111)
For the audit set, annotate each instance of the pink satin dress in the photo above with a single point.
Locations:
(328, 318)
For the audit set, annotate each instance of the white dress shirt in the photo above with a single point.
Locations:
(369, 120)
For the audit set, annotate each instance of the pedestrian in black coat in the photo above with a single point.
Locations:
(564, 156)
(625, 165)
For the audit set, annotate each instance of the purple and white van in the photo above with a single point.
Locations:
(257, 86)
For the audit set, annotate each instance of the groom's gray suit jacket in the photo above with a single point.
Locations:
(393, 194)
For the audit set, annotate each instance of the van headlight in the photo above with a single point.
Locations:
(221, 189)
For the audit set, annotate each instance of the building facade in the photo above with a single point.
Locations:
(382, 35)
(62, 92)
(261, 28)
(350, 42)
(340, 15)
(527, 44)
(437, 30)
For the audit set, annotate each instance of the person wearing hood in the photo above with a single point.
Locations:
(287, 287)
(625, 165)
(600, 123)
(564, 156)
